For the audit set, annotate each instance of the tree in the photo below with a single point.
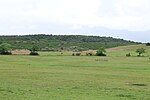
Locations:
(34, 50)
(101, 52)
(147, 44)
(140, 51)
(5, 48)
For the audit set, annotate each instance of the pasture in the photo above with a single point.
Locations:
(55, 76)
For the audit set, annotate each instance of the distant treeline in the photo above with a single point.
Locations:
(63, 42)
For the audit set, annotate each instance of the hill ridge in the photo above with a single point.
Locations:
(67, 42)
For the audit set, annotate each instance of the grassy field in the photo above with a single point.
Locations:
(52, 76)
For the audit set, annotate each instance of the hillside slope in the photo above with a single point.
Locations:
(123, 50)
(65, 42)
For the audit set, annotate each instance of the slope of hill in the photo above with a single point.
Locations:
(63, 42)
(123, 50)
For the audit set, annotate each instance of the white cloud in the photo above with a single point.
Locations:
(29, 15)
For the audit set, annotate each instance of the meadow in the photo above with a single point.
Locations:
(55, 76)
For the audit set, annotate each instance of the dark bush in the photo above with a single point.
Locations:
(140, 51)
(6, 53)
(34, 53)
(5, 49)
(147, 44)
(89, 54)
(73, 54)
(128, 55)
(100, 54)
(78, 54)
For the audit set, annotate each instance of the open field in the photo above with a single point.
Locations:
(52, 76)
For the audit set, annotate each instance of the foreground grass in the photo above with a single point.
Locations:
(74, 78)
(57, 76)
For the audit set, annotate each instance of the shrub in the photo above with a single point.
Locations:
(5, 49)
(140, 51)
(128, 55)
(89, 54)
(147, 44)
(73, 54)
(78, 54)
(34, 53)
(34, 48)
(6, 53)
(101, 52)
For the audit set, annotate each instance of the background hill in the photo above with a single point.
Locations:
(63, 42)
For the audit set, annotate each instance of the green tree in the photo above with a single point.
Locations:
(147, 44)
(34, 50)
(101, 52)
(140, 51)
(5, 48)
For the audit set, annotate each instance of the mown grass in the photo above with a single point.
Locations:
(48, 77)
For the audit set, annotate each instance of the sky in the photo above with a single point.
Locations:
(127, 19)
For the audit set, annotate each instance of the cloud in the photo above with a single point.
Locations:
(41, 15)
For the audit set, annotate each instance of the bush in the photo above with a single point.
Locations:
(34, 53)
(5, 49)
(101, 52)
(128, 55)
(147, 44)
(78, 54)
(89, 54)
(6, 53)
(140, 51)
(73, 54)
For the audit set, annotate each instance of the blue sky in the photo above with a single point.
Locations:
(128, 19)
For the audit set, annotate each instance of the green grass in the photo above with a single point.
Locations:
(52, 77)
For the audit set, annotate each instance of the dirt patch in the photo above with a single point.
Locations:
(118, 49)
(21, 52)
(86, 52)
(89, 51)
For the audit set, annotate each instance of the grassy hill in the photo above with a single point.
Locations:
(65, 42)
